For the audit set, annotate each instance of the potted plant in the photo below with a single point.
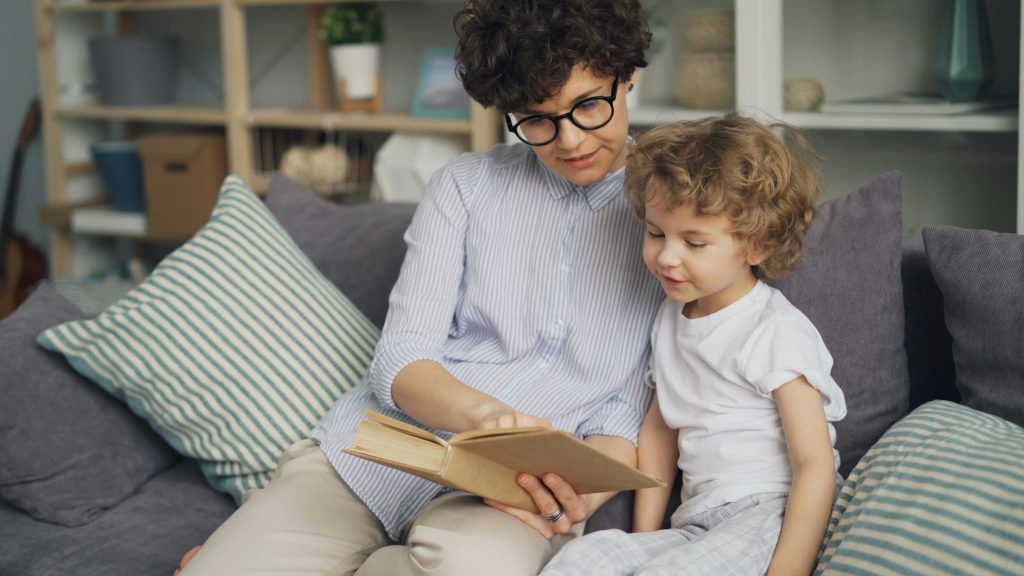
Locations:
(354, 33)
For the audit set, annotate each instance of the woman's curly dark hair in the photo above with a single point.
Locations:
(738, 167)
(514, 52)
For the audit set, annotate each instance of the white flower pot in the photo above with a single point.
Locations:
(358, 65)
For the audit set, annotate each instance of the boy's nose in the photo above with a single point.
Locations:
(669, 258)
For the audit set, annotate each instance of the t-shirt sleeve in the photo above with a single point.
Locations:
(784, 348)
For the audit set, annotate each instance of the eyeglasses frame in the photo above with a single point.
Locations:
(557, 120)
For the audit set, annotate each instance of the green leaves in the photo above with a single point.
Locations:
(352, 24)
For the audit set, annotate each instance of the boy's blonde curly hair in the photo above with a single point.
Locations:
(734, 166)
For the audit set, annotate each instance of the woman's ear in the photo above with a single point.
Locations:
(632, 80)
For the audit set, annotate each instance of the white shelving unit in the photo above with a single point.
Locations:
(823, 39)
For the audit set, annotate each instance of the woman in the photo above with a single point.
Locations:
(522, 301)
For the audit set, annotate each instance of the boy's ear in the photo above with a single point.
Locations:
(756, 254)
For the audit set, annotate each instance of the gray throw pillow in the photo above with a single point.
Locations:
(981, 276)
(358, 248)
(848, 284)
(68, 450)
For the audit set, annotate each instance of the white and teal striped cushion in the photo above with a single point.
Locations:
(942, 492)
(232, 349)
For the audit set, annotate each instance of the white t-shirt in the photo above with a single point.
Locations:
(715, 376)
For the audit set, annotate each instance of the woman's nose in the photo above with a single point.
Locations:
(569, 135)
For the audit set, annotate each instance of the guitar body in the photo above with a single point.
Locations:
(25, 267)
(21, 265)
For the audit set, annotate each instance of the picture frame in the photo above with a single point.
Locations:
(439, 94)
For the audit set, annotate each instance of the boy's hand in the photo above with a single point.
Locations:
(552, 495)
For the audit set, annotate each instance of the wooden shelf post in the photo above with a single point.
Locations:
(237, 106)
(53, 138)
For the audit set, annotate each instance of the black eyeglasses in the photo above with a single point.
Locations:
(588, 114)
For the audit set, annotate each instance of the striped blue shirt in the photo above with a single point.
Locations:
(523, 286)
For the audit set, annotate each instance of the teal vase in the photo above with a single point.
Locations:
(965, 66)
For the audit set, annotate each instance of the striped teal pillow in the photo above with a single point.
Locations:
(233, 347)
(942, 492)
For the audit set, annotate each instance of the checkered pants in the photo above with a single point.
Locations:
(733, 539)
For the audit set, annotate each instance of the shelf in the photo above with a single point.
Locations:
(133, 5)
(59, 214)
(651, 115)
(174, 114)
(260, 183)
(105, 5)
(996, 121)
(293, 2)
(105, 221)
(383, 122)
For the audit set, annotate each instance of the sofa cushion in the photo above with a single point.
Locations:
(981, 275)
(143, 535)
(848, 284)
(927, 341)
(358, 248)
(942, 492)
(231, 349)
(68, 450)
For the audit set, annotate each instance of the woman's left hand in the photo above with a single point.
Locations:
(551, 494)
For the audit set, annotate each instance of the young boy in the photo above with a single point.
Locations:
(519, 303)
(744, 400)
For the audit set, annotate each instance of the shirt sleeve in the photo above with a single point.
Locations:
(422, 303)
(785, 348)
(622, 414)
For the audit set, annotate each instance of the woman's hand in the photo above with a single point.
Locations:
(551, 495)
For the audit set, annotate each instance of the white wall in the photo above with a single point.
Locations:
(20, 84)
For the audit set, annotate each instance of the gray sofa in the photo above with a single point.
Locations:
(169, 507)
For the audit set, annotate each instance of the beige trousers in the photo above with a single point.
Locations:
(307, 521)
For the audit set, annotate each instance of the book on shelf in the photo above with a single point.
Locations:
(487, 462)
(913, 103)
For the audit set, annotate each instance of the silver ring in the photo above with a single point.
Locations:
(553, 517)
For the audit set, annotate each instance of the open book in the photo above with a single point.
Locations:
(486, 462)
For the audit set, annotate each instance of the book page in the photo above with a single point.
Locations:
(407, 428)
(390, 444)
(491, 432)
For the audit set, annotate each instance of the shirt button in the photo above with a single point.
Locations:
(565, 267)
(559, 323)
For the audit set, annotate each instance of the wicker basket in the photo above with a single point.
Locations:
(324, 168)
(710, 30)
(707, 80)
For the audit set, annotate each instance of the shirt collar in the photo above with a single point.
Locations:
(597, 194)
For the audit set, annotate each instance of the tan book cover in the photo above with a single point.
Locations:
(486, 462)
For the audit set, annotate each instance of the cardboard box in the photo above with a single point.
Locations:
(183, 173)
